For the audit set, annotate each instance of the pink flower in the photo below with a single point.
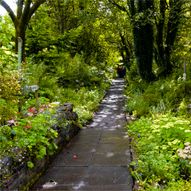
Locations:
(30, 114)
(11, 122)
(41, 110)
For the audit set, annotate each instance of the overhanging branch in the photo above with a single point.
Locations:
(122, 8)
(35, 6)
(9, 10)
(19, 8)
(25, 15)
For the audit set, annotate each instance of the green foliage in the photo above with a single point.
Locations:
(7, 56)
(162, 157)
(8, 110)
(39, 133)
(85, 100)
(158, 97)
(158, 161)
(179, 186)
(40, 34)
(9, 77)
(74, 71)
(9, 85)
(83, 41)
(9, 95)
(30, 164)
(38, 74)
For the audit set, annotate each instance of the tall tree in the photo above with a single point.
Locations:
(143, 38)
(155, 25)
(25, 10)
(118, 29)
(170, 14)
(138, 13)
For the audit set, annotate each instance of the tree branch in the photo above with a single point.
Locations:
(118, 6)
(132, 7)
(25, 15)
(9, 10)
(19, 8)
(35, 6)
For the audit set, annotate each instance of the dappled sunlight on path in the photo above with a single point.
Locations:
(97, 158)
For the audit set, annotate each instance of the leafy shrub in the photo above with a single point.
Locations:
(32, 134)
(8, 58)
(85, 100)
(36, 74)
(137, 106)
(157, 161)
(73, 71)
(160, 96)
(9, 95)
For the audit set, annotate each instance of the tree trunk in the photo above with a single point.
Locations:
(143, 40)
(165, 46)
(125, 51)
(21, 32)
(160, 34)
(25, 10)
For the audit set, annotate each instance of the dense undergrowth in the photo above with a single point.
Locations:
(30, 129)
(29, 99)
(161, 135)
(59, 67)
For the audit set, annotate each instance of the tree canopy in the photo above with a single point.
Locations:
(145, 30)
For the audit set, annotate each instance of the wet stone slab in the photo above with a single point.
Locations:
(110, 159)
(107, 175)
(115, 140)
(62, 176)
(117, 148)
(98, 158)
(86, 139)
(88, 148)
(70, 158)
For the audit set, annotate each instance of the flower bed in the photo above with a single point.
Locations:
(24, 160)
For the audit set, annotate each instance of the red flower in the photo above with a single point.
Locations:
(32, 110)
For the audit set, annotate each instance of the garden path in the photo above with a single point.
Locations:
(97, 158)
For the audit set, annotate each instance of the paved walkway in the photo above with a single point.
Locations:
(97, 159)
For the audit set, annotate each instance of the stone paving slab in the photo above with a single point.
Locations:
(70, 175)
(117, 175)
(80, 158)
(86, 139)
(117, 148)
(86, 148)
(97, 159)
(110, 159)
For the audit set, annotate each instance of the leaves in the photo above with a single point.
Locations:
(157, 152)
(30, 164)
